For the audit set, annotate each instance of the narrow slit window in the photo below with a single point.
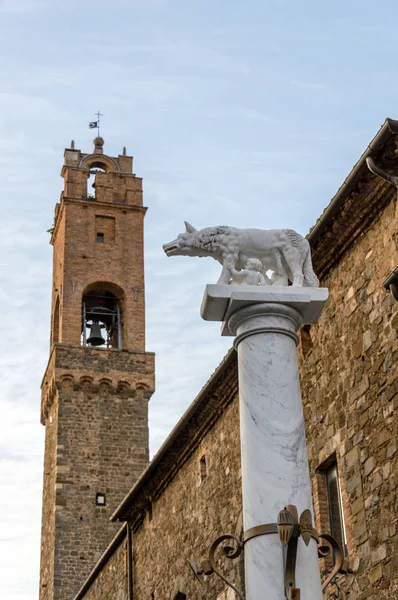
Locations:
(336, 515)
(100, 238)
(203, 471)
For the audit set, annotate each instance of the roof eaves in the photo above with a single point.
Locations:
(389, 128)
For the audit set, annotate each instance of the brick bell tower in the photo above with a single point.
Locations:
(99, 377)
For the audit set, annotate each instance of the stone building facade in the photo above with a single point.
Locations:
(94, 393)
(190, 493)
(349, 376)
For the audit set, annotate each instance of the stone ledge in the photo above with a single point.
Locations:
(78, 368)
(221, 301)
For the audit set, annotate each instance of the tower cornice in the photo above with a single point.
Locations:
(75, 368)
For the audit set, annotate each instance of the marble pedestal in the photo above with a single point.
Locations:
(264, 321)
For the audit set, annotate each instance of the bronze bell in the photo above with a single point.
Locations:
(95, 338)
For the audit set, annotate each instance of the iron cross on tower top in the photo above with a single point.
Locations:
(96, 124)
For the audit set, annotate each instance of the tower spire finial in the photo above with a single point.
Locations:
(96, 124)
(99, 115)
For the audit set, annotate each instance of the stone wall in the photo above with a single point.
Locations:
(350, 396)
(95, 408)
(199, 504)
(84, 367)
(111, 581)
(350, 393)
(48, 508)
(202, 501)
(101, 448)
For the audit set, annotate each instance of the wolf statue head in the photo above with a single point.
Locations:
(193, 242)
(182, 245)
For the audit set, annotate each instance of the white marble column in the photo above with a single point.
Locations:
(275, 469)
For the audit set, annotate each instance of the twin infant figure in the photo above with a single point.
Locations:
(252, 274)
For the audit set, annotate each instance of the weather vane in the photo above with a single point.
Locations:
(96, 124)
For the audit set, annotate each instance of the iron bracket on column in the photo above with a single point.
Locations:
(289, 528)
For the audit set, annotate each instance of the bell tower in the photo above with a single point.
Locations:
(99, 377)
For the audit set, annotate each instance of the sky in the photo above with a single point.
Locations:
(237, 113)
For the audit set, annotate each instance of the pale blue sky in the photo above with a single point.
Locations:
(236, 113)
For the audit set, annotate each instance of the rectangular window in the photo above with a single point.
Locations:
(336, 515)
(100, 238)
(100, 500)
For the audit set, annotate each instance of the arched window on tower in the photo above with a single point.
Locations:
(102, 316)
(91, 193)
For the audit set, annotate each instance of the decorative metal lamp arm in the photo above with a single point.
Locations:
(289, 528)
(339, 557)
(228, 552)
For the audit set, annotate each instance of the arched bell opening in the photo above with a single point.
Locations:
(91, 192)
(102, 325)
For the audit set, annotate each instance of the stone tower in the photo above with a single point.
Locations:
(99, 377)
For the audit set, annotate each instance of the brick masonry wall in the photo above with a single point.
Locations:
(350, 396)
(58, 261)
(80, 261)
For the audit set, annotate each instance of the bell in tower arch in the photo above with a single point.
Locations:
(95, 338)
(101, 318)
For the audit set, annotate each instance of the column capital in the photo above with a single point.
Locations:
(221, 302)
(264, 317)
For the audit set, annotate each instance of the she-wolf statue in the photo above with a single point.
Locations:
(283, 251)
